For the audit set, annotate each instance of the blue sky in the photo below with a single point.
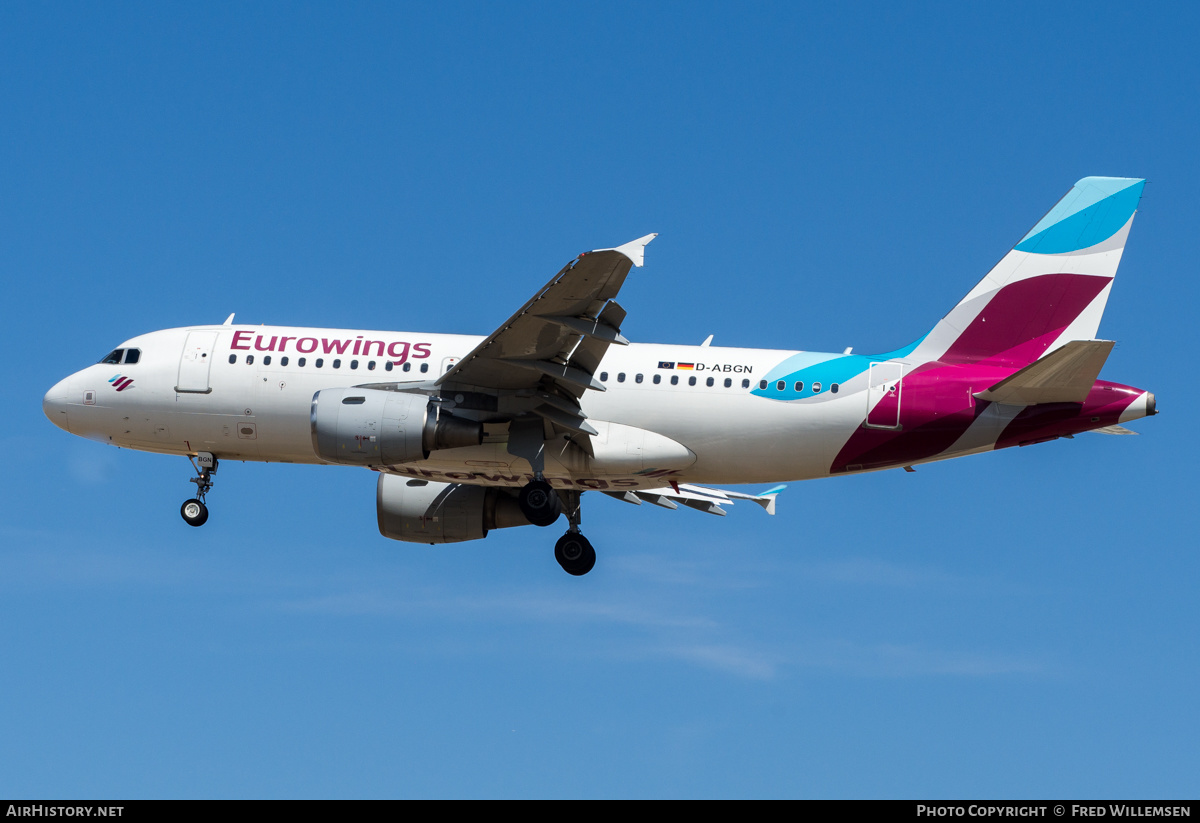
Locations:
(1019, 624)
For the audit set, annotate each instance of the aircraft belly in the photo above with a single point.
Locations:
(565, 459)
(764, 441)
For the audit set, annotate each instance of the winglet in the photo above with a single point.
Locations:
(229, 320)
(767, 498)
(635, 250)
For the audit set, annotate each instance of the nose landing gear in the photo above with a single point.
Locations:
(193, 511)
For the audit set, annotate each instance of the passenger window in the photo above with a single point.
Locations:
(621, 377)
(283, 361)
(249, 360)
(354, 364)
(424, 368)
(114, 356)
(762, 385)
(816, 388)
(728, 382)
(674, 380)
(320, 362)
(132, 356)
(657, 379)
(780, 386)
(799, 385)
(301, 362)
(745, 384)
(408, 366)
(337, 363)
(691, 381)
(833, 387)
(387, 366)
(371, 366)
(603, 377)
(708, 382)
(233, 358)
(637, 379)
(267, 360)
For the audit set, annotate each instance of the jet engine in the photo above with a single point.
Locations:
(423, 511)
(370, 427)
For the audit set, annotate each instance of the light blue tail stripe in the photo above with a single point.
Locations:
(1093, 211)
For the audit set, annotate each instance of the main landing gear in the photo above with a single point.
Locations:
(542, 505)
(574, 553)
(193, 511)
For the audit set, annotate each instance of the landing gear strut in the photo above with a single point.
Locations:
(573, 551)
(193, 511)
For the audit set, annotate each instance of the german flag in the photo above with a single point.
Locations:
(686, 366)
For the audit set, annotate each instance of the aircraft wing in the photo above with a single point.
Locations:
(556, 340)
(697, 497)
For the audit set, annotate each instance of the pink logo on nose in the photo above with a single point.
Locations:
(120, 383)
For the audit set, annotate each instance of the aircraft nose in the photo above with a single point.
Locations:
(54, 404)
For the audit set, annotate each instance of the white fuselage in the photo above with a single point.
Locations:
(257, 407)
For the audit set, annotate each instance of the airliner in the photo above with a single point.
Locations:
(471, 434)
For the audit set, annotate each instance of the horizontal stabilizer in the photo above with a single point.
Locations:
(1114, 430)
(1066, 375)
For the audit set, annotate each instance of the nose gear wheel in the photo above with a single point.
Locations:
(194, 512)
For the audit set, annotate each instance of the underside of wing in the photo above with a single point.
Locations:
(700, 498)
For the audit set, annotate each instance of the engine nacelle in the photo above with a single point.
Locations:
(423, 511)
(370, 427)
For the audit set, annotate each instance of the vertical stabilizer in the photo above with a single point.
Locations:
(1050, 289)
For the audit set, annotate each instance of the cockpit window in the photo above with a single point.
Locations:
(132, 355)
(114, 357)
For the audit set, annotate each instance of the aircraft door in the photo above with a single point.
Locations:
(883, 395)
(196, 361)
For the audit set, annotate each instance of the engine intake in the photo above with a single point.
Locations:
(370, 427)
(424, 511)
